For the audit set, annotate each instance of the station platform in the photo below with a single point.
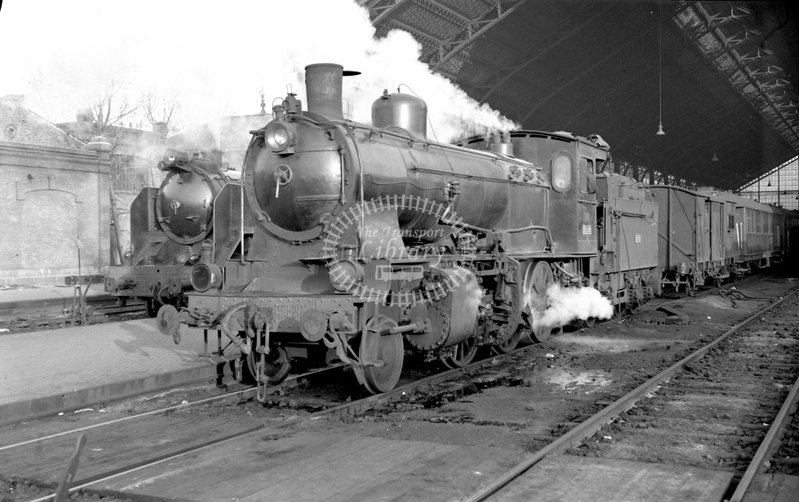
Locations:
(773, 488)
(45, 372)
(594, 479)
(21, 298)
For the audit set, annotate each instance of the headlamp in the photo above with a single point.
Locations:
(205, 276)
(279, 136)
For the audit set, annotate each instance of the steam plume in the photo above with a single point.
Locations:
(570, 304)
(215, 58)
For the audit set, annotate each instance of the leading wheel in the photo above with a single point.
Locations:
(461, 355)
(537, 280)
(381, 354)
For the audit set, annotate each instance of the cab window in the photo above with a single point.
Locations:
(561, 173)
(587, 175)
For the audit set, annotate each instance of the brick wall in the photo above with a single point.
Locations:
(53, 201)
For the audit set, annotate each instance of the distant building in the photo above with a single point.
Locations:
(134, 152)
(69, 186)
(134, 156)
(21, 125)
(234, 136)
(54, 198)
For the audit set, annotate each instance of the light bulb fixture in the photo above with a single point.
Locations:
(769, 183)
(715, 157)
(660, 70)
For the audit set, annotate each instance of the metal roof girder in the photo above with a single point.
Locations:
(380, 9)
(727, 42)
(468, 35)
(528, 59)
(424, 38)
(444, 12)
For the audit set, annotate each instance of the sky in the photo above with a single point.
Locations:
(214, 58)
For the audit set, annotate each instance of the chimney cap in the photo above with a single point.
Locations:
(99, 144)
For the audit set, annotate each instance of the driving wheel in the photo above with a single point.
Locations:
(537, 280)
(381, 354)
(461, 355)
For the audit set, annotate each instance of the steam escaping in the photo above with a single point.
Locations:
(217, 61)
(472, 292)
(570, 304)
(466, 300)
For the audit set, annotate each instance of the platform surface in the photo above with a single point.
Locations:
(365, 468)
(773, 488)
(46, 292)
(59, 369)
(316, 466)
(590, 479)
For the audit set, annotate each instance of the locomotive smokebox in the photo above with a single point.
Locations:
(323, 86)
(401, 110)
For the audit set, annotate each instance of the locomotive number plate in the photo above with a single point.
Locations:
(587, 230)
(294, 310)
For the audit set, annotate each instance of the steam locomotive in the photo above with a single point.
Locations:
(168, 227)
(352, 242)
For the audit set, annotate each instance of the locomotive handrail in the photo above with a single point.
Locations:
(508, 231)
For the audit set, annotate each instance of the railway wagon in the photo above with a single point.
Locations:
(791, 241)
(696, 237)
(168, 227)
(353, 241)
(760, 233)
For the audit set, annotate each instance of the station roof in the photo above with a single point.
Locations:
(722, 77)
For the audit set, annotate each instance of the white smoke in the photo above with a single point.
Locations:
(466, 280)
(570, 304)
(215, 58)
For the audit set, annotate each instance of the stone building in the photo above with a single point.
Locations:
(54, 198)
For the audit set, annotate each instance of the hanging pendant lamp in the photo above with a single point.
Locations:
(660, 71)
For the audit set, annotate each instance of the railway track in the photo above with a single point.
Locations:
(174, 431)
(180, 432)
(63, 314)
(743, 379)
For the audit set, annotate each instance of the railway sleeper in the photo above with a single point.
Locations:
(753, 393)
(746, 422)
(643, 437)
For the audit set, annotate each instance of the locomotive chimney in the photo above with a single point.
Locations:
(323, 86)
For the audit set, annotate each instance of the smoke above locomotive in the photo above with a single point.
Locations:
(217, 76)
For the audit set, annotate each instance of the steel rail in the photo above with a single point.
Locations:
(286, 383)
(586, 429)
(777, 427)
(352, 407)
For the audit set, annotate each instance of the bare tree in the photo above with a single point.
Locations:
(111, 107)
(161, 111)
